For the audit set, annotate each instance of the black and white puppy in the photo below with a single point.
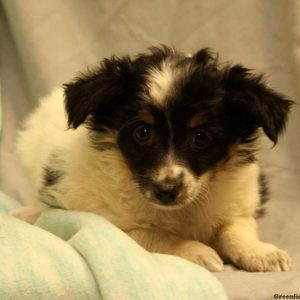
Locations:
(165, 148)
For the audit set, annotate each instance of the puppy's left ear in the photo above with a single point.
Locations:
(254, 102)
(98, 93)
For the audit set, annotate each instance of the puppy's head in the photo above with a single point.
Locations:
(174, 117)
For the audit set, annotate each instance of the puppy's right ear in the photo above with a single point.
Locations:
(97, 91)
(254, 104)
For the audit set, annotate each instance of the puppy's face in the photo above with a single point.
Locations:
(175, 118)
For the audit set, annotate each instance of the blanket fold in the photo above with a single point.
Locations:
(77, 255)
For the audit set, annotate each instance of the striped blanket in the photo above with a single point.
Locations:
(75, 255)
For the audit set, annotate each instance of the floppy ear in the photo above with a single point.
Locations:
(97, 92)
(255, 102)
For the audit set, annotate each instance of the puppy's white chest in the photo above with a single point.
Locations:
(189, 223)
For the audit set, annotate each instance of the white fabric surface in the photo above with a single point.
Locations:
(84, 257)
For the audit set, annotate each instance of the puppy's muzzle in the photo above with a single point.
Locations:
(167, 192)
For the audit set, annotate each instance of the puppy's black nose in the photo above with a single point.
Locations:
(166, 195)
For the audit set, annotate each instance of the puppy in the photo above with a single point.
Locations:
(163, 145)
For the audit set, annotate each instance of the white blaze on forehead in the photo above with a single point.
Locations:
(160, 82)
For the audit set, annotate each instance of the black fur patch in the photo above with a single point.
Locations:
(46, 195)
(264, 193)
(246, 156)
(51, 176)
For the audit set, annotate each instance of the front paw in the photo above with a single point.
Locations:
(27, 214)
(264, 258)
(200, 254)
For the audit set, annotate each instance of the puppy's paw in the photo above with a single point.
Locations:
(264, 258)
(27, 213)
(200, 254)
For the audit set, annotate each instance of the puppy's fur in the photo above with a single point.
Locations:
(164, 146)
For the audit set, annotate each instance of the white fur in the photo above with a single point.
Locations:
(101, 182)
(160, 82)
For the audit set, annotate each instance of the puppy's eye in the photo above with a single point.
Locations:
(201, 139)
(142, 134)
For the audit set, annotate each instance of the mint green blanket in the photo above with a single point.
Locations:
(82, 256)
